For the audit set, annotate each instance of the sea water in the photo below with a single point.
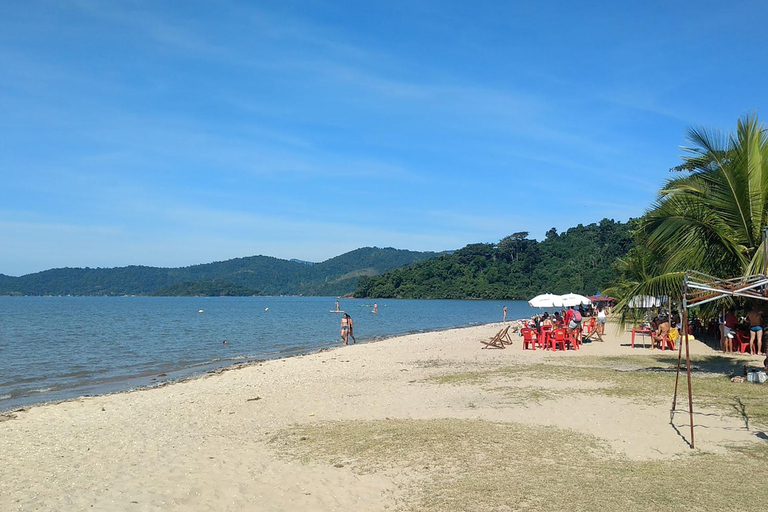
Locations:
(54, 348)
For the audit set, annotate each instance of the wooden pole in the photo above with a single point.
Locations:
(687, 361)
(680, 354)
(690, 392)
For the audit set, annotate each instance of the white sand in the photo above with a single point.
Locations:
(201, 444)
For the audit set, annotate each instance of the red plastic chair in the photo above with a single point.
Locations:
(742, 341)
(667, 343)
(546, 332)
(529, 337)
(559, 339)
(573, 339)
(589, 327)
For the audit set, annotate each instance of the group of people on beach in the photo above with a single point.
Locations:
(752, 322)
(570, 318)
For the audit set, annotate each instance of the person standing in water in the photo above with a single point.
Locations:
(345, 327)
(505, 314)
(375, 308)
(337, 306)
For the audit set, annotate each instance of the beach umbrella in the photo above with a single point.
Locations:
(644, 301)
(573, 299)
(546, 300)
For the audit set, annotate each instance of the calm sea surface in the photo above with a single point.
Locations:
(53, 348)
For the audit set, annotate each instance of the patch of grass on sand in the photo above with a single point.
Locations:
(459, 465)
(462, 378)
(647, 378)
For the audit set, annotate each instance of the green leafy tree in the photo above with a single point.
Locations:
(710, 219)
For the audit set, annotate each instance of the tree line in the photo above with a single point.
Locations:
(579, 260)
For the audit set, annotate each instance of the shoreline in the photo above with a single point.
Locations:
(214, 442)
(142, 382)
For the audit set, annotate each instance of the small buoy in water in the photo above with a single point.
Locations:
(200, 311)
(224, 342)
(266, 309)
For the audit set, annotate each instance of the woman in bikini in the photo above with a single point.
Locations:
(346, 322)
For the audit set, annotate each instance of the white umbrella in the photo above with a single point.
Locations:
(644, 301)
(546, 300)
(574, 299)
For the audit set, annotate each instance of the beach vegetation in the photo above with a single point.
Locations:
(476, 464)
(708, 218)
(578, 260)
(646, 378)
(459, 465)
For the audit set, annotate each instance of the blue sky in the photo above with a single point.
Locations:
(175, 133)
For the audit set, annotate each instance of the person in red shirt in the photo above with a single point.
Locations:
(569, 323)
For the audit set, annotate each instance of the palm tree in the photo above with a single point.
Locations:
(710, 220)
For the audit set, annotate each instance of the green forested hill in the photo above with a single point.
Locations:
(578, 260)
(254, 275)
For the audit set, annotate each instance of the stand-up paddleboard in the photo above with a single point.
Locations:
(334, 311)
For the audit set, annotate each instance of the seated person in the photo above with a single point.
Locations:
(546, 320)
(676, 323)
(661, 331)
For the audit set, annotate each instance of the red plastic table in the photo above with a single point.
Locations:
(641, 331)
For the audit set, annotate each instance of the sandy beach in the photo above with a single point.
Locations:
(256, 437)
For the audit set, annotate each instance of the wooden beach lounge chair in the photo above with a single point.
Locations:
(496, 341)
(590, 331)
(505, 337)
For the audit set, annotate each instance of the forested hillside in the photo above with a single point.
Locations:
(578, 260)
(254, 275)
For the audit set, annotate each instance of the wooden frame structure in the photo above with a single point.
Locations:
(698, 289)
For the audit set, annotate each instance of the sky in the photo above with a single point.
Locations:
(175, 133)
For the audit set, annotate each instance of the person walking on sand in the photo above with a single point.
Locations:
(755, 319)
(601, 319)
(505, 314)
(345, 327)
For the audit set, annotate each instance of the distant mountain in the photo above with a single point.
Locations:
(253, 275)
